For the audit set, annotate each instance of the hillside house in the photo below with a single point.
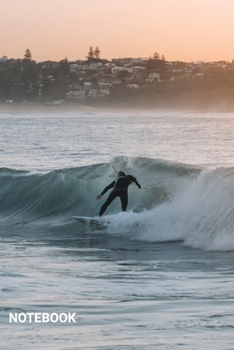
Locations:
(133, 86)
(138, 69)
(104, 85)
(118, 69)
(75, 96)
(153, 76)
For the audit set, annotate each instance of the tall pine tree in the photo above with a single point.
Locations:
(28, 55)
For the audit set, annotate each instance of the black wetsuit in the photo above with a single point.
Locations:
(120, 189)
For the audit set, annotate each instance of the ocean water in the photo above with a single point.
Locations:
(160, 276)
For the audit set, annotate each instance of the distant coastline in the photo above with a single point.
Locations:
(129, 83)
(79, 108)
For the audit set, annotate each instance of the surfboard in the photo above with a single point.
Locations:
(88, 220)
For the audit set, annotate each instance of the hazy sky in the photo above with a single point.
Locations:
(187, 30)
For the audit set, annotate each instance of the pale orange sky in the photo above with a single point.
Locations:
(186, 30)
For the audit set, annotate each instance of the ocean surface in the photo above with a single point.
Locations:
(160, 276)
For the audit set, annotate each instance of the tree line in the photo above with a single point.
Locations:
(26, 80)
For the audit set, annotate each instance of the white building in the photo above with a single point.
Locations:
(104, 92)
(76, 67)
(137, 69)
(118, 69)
(105, 85)
(96, 65)
(88, 84)
(133, 86)
(109, 65)
(93, 93)
(76, 95)
(153, 76)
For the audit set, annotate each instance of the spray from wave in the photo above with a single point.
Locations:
(177, 201)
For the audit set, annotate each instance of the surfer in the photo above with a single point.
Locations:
(120, 189)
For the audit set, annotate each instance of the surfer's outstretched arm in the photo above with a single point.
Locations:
(107, 188)
(136, 182)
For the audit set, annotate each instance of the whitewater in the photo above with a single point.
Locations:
(159, 276)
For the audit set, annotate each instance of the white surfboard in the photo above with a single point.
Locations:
(93, 221)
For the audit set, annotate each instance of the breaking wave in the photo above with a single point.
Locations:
(177, 201)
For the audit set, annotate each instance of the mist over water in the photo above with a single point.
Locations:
(153, 277)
